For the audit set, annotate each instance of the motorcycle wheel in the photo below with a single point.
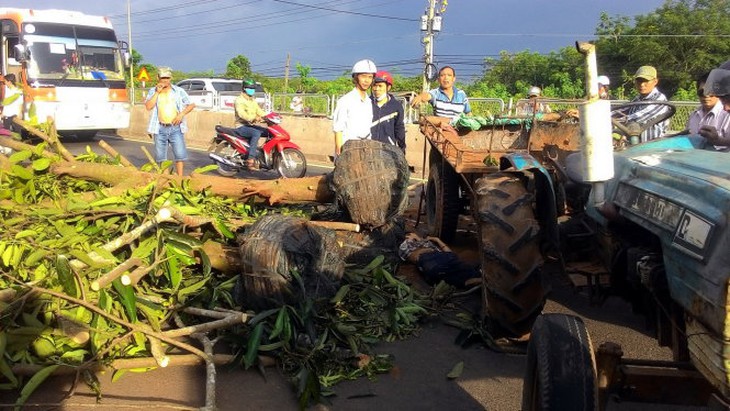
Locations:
(290, 163)
(226, 151)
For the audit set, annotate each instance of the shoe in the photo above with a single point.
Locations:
(250, 164)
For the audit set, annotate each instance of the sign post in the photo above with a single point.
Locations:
(143, 75)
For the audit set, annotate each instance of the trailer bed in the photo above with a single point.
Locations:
(467, 151)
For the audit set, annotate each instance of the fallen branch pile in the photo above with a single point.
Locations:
(106, 266)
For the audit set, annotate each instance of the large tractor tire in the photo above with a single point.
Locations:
(561, 368)
(443, 204)
(513, 291)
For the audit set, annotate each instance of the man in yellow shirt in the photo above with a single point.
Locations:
(249, 112)
(169, 104)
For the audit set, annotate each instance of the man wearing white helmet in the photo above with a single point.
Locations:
(532, 106)
(354, 112)
(603, 83)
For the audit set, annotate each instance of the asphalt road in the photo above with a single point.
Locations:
(197, 158)
(490, 380)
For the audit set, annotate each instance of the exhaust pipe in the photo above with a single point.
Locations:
(224, 161)
(595, 129)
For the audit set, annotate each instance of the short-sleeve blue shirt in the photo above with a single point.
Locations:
(451, 108)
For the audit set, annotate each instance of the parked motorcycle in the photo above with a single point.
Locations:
(229, 150)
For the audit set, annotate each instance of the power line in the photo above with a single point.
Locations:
(346, 12)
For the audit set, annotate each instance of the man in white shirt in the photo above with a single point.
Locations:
(710, 120)
(353, 114)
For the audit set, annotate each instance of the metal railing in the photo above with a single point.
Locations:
(320, 105)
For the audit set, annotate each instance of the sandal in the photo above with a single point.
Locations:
(250, 164)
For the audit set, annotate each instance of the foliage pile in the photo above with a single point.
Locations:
(57, 308)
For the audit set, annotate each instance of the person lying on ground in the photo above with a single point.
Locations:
(437, 262)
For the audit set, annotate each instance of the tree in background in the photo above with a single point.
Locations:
(560, 74)
(682, 39)
(306, 82)
(238, 67)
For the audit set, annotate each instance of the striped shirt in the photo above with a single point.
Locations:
(451, 108)
(644, 113)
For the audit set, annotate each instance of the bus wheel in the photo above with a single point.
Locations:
(561, 369)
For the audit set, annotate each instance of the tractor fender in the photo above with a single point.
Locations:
(545, 198)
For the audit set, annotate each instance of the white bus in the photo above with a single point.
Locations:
(69, 66)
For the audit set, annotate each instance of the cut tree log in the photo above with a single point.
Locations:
(291, 190)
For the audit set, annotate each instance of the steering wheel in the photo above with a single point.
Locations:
(634, 129)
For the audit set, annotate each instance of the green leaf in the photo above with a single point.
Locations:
(341, 293)
(252, 345)
(20, 156)
(41, 164)
(279, 324)
(33, 383)
(21, 172)
(456, 371)
(65, 276)
(126, 294)
(205, 169)
(182, 294)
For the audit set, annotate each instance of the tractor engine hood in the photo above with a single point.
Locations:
(681, 193)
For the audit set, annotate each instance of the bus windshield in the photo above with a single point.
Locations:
(68, 52)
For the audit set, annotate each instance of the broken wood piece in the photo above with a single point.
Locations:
(51, 139)
(136, 275)
(124, 364)
(158, 353)
(229, 320)
(336, 225)
(115, 273)
(164, 214)
(114, 153)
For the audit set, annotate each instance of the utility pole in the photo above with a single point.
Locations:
(286, 73)
(131, 60)
(430, 24)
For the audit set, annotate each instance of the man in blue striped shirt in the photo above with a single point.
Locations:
(447, 100)
(645, 81)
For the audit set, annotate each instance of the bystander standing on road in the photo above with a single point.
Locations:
(532, 105)
(710, 120)
(388, 123)
(248, 112)
(447, 100)
(646, 81)
(353, 114)
(169, 104)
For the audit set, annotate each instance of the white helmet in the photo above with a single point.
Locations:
(364, 66)
(603, 81)
(534, 91)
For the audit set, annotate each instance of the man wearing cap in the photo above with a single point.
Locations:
(447, 100)
(646, 81)
(388, 125)
(169, 104)
(353, 114)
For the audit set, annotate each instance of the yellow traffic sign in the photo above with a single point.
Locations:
(143, 76)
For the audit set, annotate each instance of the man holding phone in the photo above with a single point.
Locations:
(169, 104)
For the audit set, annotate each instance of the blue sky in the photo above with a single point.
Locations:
(329, 36)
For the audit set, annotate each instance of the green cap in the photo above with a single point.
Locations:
(164, 72)
(645, 72)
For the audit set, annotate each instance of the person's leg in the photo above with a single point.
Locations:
(161, 142)
(252, 134)
(179, 150)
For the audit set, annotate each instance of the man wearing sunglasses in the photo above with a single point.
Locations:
(710, 120)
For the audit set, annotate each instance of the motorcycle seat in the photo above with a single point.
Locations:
(225, 130)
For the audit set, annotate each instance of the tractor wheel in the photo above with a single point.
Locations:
(561, 368)
(513, 293)
(443, 204)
